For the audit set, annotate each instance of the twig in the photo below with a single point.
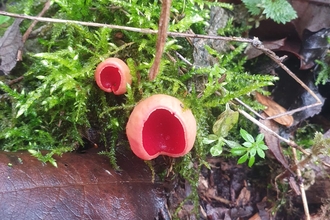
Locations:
(126, 28)
(301, 185)
(278, 60)
(161, 38)
(29, 30)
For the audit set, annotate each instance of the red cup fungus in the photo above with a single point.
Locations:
(159, 125)
(112, 75)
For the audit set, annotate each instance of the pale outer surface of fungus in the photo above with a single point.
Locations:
(140, 115)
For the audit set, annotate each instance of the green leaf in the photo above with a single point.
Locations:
(262, 146)
(208, 141)
(251, 161)
(280, 11)
(243, 158)
(247, 144)
(238, 151)
(253, 152)
(225, 122)
(232, 144)
(261, 153)
(4, 19)
(260, 138)
(253, 6)
(246, 136)
(216, 150)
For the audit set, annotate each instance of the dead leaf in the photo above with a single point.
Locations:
(10, 44)
(312, 15)
(84, 186)
(314, 47)
(273, 142)
(274, 109)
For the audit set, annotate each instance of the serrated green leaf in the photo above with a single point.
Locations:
(246, 136)
(243, 158)
(253, 6)
(280, 11)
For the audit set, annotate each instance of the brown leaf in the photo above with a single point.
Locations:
(274, 109)
(84, 186)
(10, 44)
(312, 15)
(273, 142)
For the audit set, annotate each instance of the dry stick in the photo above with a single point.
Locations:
(29, 30)
(255, 121)
(301, 185)
(133, 29)
(278, 60)
(161, 38)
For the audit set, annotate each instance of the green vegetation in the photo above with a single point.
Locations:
(57, 104)
(280, 10)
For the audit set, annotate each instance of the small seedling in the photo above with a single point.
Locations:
(250, 148)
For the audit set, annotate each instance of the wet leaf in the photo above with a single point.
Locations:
(312, 15)
(314, 47)
(273, 143)
(84, 186)
(225, 122)
(10, 43)
(274, 109)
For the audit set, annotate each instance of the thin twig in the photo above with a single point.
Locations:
(255, 121)
(29, 30)
(126, 28)
(301, 185)
(278, 60)
(161, 38)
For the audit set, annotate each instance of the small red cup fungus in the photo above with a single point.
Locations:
(112, 75)
(159, 125)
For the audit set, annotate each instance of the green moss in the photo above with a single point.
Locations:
(57, 102)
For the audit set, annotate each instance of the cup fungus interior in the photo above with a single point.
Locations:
(110, 78)
(163, 132)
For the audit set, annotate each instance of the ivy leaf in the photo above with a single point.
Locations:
(246, 136)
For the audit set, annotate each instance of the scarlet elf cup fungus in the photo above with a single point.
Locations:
(159, 125)
(112, 75)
